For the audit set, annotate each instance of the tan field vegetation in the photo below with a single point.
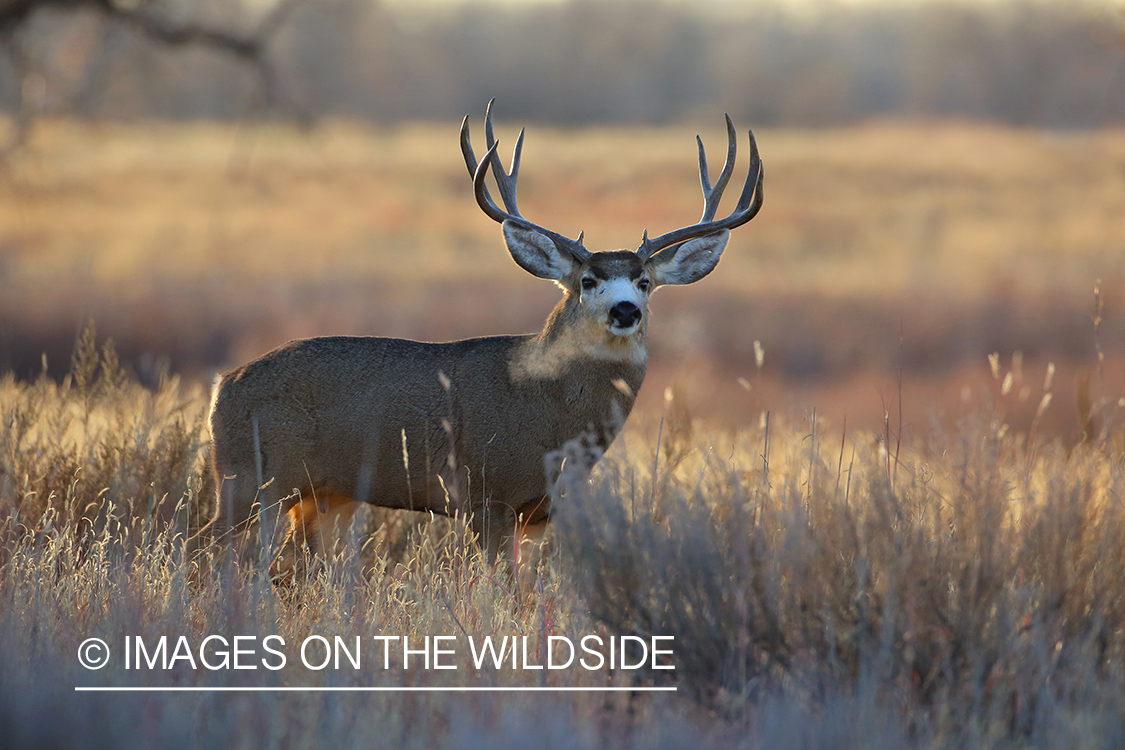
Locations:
(889, 262)
(860, 528)
(872, 488)
(824, 588)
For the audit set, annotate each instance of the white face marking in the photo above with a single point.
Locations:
(602, 298)
(590, 335)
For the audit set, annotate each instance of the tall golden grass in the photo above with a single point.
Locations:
(825, 588)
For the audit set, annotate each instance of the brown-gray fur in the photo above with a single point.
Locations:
(331, 414)
(318, 426)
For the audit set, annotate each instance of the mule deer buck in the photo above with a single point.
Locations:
(475, 427)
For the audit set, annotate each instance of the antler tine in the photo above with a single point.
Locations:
(749, 202)
(506, 182)
(517, 152)
(489, 137)
(484, 200)
(467, 148)
(498, 172)
(749, 190)
(508, 196)
(712, 195)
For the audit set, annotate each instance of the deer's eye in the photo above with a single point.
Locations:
(643, 284)
(588, 283)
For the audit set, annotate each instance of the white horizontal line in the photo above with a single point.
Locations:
(373, 689)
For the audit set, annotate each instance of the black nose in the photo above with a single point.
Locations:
(624, 314)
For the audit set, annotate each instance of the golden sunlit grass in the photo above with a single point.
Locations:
(825, 588)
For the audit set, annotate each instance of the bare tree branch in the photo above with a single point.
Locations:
(249, 49)
(246, 48)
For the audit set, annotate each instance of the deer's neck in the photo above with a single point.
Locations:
(571, 344)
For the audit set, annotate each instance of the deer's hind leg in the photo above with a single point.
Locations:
(244, 517)
(318, 530)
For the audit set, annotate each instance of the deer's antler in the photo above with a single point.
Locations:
(506, 184)
(749, 203)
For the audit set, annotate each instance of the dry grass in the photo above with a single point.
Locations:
(206, 245)
(825, 589)
(942, 570)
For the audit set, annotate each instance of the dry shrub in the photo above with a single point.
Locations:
(975, 599)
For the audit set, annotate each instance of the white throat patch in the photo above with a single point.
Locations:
(591, 337)
(537, 359)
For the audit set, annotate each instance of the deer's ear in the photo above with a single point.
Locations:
(690, 261)
(536, 253)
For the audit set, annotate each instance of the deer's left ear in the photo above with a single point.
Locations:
(689, 262)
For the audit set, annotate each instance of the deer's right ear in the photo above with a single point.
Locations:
(536, 253)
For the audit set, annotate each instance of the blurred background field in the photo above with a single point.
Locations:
(885, 251)
(945, 181)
